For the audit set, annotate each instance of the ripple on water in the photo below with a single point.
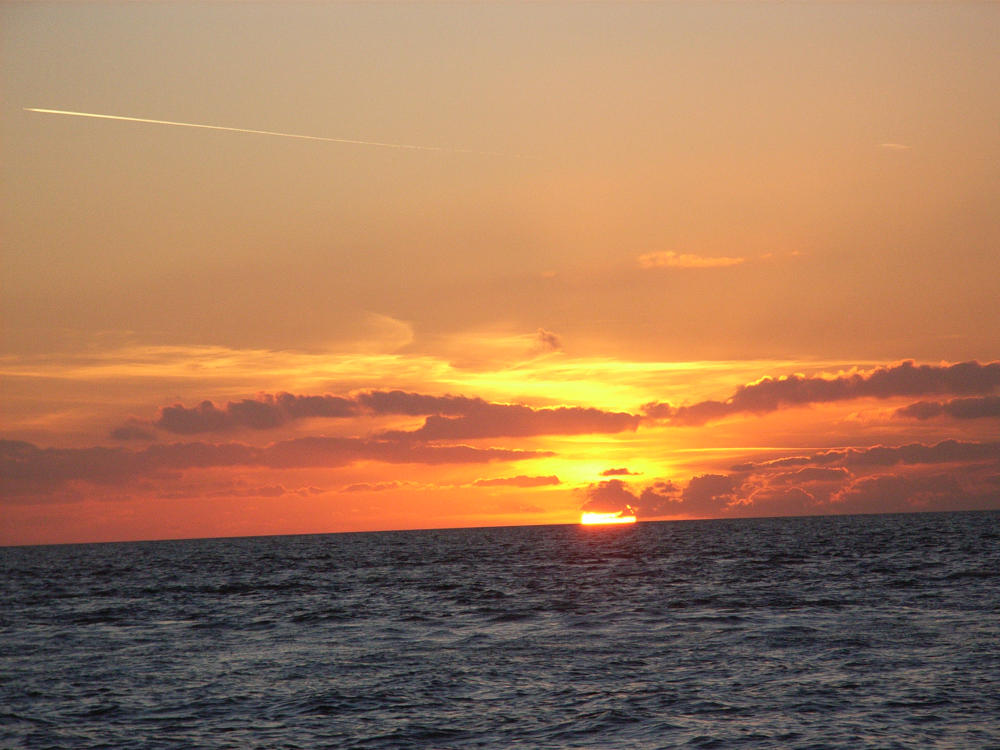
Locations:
(823, 632)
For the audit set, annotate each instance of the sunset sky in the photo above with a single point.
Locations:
(707, 260)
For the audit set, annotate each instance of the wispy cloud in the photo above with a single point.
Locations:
(519, 481)
(894, 146)
(669, 259)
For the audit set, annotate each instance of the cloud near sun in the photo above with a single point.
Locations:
(914, 454)
(447, 417)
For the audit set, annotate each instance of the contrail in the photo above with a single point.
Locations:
(351, 141)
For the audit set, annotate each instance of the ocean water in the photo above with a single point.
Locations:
(844, 632)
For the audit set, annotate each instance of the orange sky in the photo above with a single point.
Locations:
(705, 260)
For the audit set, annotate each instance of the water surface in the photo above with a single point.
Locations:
(844, 632)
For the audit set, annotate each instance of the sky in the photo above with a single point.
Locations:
(706, 260)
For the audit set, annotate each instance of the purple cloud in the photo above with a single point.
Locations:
(771, 394)
(976, 407)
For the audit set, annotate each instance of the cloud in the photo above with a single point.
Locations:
(417, 404)
(384, 333)
(203, 418)
(891, 493)
(263, 413)
(617, 473)
(811, 474)
(670, 259)
(946, 451)
(982, 407)
(374, 486)
(612, 496)
(709, 494)
(331, 451)
(770, 394)
(778, 501)
(546, 341)
(518, 481)
(515, 420)
(775, 462)
(26, 468)
(448, 417)
(659, 499)
(946, 476)
(894, 146)
(269, 490)
(133, 430)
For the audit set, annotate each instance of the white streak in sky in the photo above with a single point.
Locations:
(350, 141)
(895, 146)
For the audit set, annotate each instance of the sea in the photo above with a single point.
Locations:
(878, 631)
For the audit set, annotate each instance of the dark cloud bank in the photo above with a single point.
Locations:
(463, 418)
(905, 379)
(447, 417)
(950, 475)
(27, 469)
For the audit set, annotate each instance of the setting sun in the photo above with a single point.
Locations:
(592, 519)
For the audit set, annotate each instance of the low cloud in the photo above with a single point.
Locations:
(949, 475)
(26, 468)
(670, 259)
(617, 473)
(132, 431)
(612, 496)
(329, 451)
(811, 474)
(383, 403)
(263, 413)
(892, 493)
(546, 341)
(515, 420)
(946, 451)
(778, 501)
(985, 407)
(709, 494)
(269, 490)
(447, 417)
(518, 481)
(770, 394)
(374, 486)
(659, 499)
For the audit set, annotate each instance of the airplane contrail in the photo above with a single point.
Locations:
(350, 141)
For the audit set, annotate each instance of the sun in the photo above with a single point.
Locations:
(627, 515)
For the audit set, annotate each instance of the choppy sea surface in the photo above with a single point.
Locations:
(843, 632)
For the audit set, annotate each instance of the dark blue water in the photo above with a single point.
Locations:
(865, 631)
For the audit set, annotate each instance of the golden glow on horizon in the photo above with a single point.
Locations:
(594, 519)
